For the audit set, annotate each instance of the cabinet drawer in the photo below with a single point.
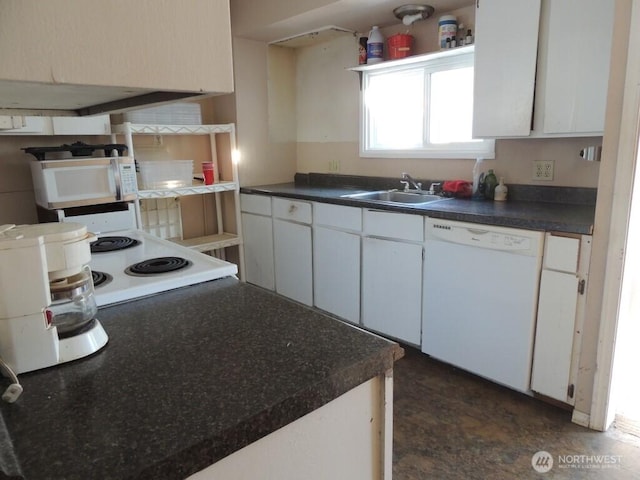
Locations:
(293, 210)
(98, 125)
(402, 226)
(258, 204)
(561, 253)
(338, 216)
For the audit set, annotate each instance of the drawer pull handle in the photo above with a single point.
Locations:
(292, 208)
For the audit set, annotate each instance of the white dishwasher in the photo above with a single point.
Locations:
(480, 298)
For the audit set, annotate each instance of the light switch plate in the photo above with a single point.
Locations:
(542, 170)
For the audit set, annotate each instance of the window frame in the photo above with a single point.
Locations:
(428, 64)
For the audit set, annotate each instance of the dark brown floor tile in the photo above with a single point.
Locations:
(449, 424)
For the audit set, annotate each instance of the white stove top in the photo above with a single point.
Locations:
(124, 287)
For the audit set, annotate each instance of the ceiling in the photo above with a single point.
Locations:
(275, 25)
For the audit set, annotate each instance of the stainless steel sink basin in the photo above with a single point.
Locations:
(395, 196)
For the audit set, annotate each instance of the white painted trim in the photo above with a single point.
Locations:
(386, 446)
(581, 418)
(602, 410)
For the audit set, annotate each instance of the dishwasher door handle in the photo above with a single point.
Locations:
(476, 231)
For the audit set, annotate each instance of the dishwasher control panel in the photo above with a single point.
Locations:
(524, 242)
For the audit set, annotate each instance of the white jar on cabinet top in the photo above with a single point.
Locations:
(447, 29)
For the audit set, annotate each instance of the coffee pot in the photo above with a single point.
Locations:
(47, 307)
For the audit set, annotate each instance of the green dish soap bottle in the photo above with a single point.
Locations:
(490, 183)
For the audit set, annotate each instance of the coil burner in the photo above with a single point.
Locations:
(100, 278)
(157, 266)
(112, 244)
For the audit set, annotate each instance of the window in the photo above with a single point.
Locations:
(422, 108)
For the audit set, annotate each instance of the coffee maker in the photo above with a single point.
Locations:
(47, 308)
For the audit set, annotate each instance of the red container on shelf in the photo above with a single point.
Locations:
(400, 45)
(207, 171)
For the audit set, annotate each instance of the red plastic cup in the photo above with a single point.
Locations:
(207, 171)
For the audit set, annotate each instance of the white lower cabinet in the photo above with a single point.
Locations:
(392, 274)
(561, 305)
(258, 244)
(258, 250)
(336, 260)
(292, 249)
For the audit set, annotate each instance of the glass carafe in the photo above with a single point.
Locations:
(73, 301)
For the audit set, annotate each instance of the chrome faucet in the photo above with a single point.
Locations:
(435, 188)
(408, 180)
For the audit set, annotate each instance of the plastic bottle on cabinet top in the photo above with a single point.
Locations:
(375, 46)
(468, 40)
(475, 190)
(362, 50)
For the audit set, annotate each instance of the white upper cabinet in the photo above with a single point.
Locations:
(92, 56)
(505, 67)
(560, 49)
(573, 67)
(31, 125)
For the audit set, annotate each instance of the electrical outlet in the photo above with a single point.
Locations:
(334, 166)
(542, 170)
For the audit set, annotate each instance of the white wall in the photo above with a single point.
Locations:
(267, 155)
(328, 117)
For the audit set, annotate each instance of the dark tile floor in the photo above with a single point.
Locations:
(449, 424)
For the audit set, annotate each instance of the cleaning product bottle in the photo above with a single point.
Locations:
(447, 28)
(490, 184)
(500, 193)
(477, 170)
(375, 46)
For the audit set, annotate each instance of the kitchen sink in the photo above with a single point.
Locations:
(396, 196)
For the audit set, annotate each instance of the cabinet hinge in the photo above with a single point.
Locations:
(581, 285)
(570, 391)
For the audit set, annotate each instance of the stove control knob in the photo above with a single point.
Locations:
(48, 317)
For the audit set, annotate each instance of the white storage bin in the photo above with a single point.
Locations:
(165, 174)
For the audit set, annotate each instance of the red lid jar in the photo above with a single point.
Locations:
(400, 45)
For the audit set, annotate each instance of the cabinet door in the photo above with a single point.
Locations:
(505, 67)
(258, 250)
(574, 65)
(116, 34)
(400, 226)
(336, 272)
(391, 288)
(30, 125)
(96, 125)
(294, 210)
(293, 264)
(554, 334)
(258, 204)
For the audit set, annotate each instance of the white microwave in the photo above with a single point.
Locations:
(85, 181)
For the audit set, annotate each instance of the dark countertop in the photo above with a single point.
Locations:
(188, 377)
(555, 216)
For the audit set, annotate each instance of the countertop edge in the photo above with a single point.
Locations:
(432, 210)
(271, 419)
